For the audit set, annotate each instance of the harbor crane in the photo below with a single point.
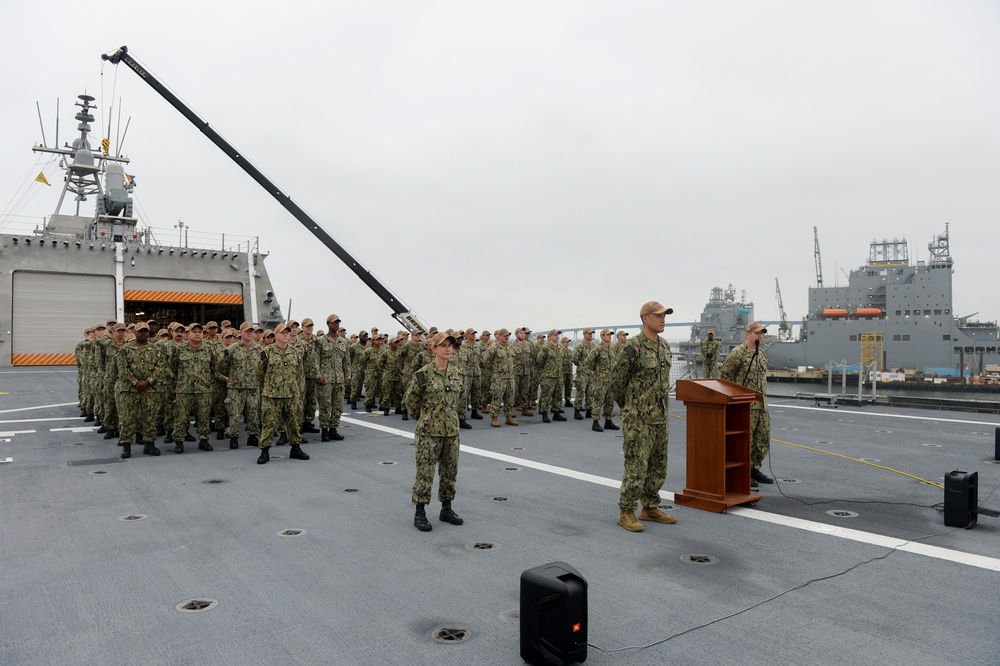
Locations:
(819, 264)
(784, 328)
(400, 312)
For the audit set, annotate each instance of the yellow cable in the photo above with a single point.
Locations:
(839, 455)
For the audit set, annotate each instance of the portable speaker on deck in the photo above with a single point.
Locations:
(961, 498)
(553, 615)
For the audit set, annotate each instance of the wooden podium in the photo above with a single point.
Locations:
(718, 444)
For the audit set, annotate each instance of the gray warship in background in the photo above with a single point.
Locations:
(892, 316)
(75, 270)
(726, 316)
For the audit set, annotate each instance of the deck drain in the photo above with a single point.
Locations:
(822, 441)
(789, 480)
(980, 433)
(77, 443)
(214, 481)
(871, 460)
(387, 462)
(499, 499)
(698, 558)
(197, 605)
(291, 532)
(350, 490)
(99, 471)
(511, 469)
(449, 634)
(518, 448)
(665, 506)
(482, 545)
(842, 513)
(933, 446)
(133, 517)
(888, 431)
(512, 615)
(522, 433)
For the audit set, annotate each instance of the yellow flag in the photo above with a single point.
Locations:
(41, 179)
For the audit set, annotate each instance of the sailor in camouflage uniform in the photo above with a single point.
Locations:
(392, 376)
(374, 363)
(485, 342)
(549, 363)
(432, 398)
(194, 366)
(140, 370)
(499, 363)
(310, 362)
(567, 365)
(599, 363)
(334, 374)
(522, 348)
(243, 370)
(640, 383)
(359, 363)
(282, 368)
(475, 378)
(580, 353)
(747, 365)
(78, 353)
(710, 356)
(110, 420)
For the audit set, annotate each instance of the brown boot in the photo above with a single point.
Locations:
(627, 520)
(510, 421)
(657, 516)
(495, 422)
(527, 412)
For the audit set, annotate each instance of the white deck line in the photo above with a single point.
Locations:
(24, 409)
(775, 405)
(957, 556)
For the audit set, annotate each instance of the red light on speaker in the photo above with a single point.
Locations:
(576, 627)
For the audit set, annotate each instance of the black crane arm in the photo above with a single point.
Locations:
(399, 311)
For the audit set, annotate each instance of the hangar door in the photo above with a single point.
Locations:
(50, 311)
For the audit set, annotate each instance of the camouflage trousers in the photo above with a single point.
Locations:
(96, 403)
(167, 406)
(601, 403)
(280, 415)
(522, 390)
(502, 393)
(462, 404)
(201, 405)
(645, 451)
(567, 393)
(710, 371)
(373, 388)
(137, 415)
(331, 404)
(476, 391)
(392, 393)
(309, 400)
(582, 391)
(110, 418)
(441, 452)
(487, 387)
(551, 399)
(219, 413)
(760, 434)
(243, 404)
(81, 390)
(357, 383)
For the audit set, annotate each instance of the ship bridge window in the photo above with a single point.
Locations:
(946, 336)
(899, 312)
(896, 338)
(916, 312)
(991, 350)
(937, 312)
(905, 337)
(854, 338)
(907, 313)
(968, 350)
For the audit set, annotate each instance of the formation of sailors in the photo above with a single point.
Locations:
(139, 382)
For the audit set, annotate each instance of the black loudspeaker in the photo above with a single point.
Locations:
(961, 498)
(553, 615)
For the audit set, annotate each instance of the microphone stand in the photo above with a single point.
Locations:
(756, 349)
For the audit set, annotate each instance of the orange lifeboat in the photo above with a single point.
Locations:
(868, 312)
(834, 312)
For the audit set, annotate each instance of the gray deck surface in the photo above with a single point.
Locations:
(362, 586)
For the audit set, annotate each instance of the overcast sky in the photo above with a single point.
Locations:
(541, 163)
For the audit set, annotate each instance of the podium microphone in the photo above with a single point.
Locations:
(756, 350)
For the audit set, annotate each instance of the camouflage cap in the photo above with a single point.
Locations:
(112, 320)
(283, 328)
(330, 319)
(566, 340)
(142, 326)
(625, 333)
(502, 331)
(180, 328)
(211, 324)
(246, 326)
(120, 327)
(754, 327)
(268, 333)
(307, 322)
(162, 332)
(131, 327)
(653, 307)
(290, 323)
(225, 323)
(100, 327)
(606, 331)
(88, 330)
(711, 331)
(432, 330)
(588, 330)
(195, 325)
(441, 338)
(471, 331)
(486, 334)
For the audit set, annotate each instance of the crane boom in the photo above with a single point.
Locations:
(399, 311)
(819, 264)
(784, 328)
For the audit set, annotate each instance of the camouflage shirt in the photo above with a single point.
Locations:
(549, 361)
(194, 368)
(243, 366)
(710, 351)
(600, 361)
(640, 380)
(136, 364)
(282, 371)
(334, 359)
(737, 366)
(580, 353)
(432, 397)
(499, 359)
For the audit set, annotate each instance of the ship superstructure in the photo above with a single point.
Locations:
(76, 270)
(726, 315)
(894, 314)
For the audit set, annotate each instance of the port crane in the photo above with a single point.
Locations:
(819, 264)
(784, 328)
(400, 312)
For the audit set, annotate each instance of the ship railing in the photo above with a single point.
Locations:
(186, 238)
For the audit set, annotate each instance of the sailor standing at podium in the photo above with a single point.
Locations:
(747, 365)
(640, 383)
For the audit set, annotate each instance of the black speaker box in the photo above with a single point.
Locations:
(961, 498)
(553, 615)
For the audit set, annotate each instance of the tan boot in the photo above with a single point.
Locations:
(510, 421)
(495, 422)
(657, 516)
(627, 520)
(527, 412)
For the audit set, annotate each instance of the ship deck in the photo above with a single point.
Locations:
(784, 582)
